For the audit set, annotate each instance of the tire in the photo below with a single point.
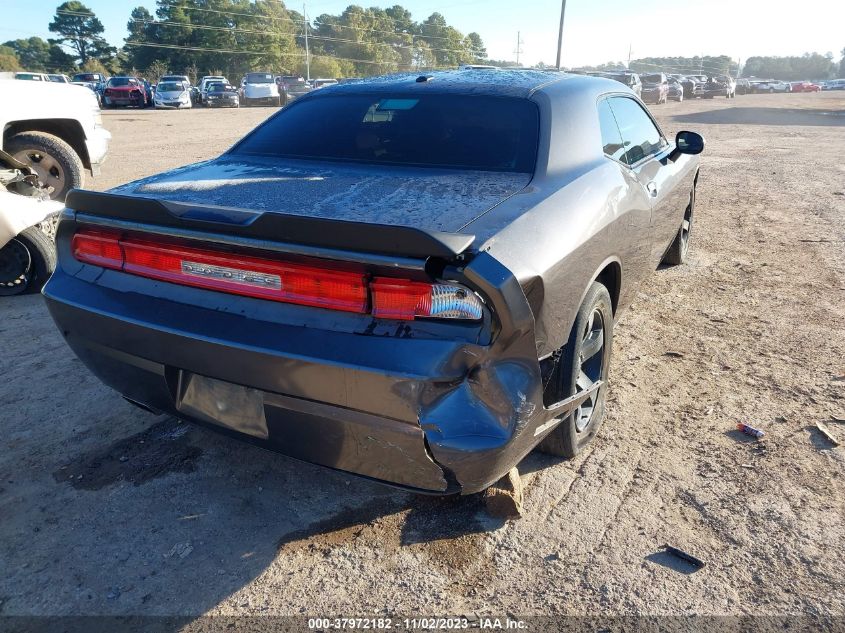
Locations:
(677, 253)
(54, 161)
(594, 322)
(26, 262)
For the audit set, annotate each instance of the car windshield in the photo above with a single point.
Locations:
(259, 78)
(652, 79)
(457, 132)
(86, 77)
(218, 87)
(122, 81)
(28, 77)
(170, 86)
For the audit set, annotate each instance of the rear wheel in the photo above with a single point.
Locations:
(677, 253)
(26, 262)
(585, 360)
(55, 162)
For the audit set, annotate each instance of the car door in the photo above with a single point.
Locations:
(648, 155)
(633, 199)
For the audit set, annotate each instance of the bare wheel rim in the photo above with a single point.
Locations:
(591, 367)
(46, 167)
(15, 266)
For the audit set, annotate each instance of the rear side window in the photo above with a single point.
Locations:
(449, 131)
(639, 133)
(611, 139)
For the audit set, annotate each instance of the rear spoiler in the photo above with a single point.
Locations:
(401, 241)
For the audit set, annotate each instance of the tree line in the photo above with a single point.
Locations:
(794, 68)
(196, 37)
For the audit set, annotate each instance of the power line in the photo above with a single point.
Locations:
(257, 32)
(242, 52)
(232, 29)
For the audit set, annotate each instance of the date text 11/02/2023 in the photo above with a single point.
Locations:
(429, 624)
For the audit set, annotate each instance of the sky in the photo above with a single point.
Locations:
(595, 31)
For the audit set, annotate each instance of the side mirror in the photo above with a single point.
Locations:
(689, 143)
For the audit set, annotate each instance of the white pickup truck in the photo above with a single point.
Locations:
(56, 128)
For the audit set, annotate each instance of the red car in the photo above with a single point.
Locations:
(124, 91)
(805, 86)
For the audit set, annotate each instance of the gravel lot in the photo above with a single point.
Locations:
(109, 510)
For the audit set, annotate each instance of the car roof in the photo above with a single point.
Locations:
(513, 83)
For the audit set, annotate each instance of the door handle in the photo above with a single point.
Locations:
(652, 189)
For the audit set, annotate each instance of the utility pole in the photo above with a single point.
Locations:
(629, 55)
(560, 32)
(307, 56)
(519, 44)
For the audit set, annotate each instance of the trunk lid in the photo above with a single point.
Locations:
(424, 198)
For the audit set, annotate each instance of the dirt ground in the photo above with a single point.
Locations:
(109, 510)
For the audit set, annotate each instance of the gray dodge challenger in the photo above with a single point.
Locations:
(410, 278)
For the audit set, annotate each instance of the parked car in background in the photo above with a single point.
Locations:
(719, 86)
(95, 81)
(56, 129)
(427, 295)
(183, 79)
(203, 86)
(676, 90)
(322, 83)
(292, 87)
(92, 78)
(692, 87)
(632, 80)
(221, 95)
(260, 88)
(743, 87)
(655, 88)
(774, 86)
(702, 81)
(59, 79)
(124, 91)
(757, 85)
(834, 84)
(804, 86)
(173, 94)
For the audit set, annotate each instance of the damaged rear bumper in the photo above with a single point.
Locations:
(385, 401)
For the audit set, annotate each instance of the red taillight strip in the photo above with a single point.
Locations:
(100, 249)
(226, 272)
(276, 280)
(400, 298)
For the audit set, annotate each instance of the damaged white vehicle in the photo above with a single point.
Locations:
(27, 229)
(56, 129)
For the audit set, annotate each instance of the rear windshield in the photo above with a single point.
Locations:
(122, 81)
(260, 78)
(171, 86)
(459, 132)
